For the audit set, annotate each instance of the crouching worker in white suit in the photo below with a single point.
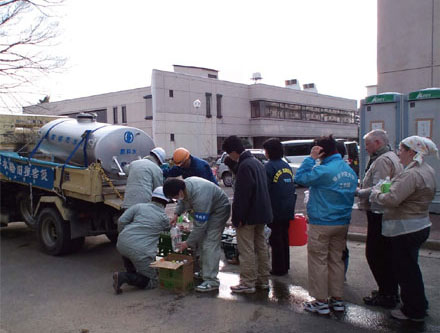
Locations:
(139, 230)
(211, 211)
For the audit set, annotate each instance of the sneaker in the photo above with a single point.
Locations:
(242, 289)
(398, 314)
(262, 286)
(337, 304)
(376, 299)
(205, 287)
(316, 306)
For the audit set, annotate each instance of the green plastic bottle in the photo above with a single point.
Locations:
(385, 187)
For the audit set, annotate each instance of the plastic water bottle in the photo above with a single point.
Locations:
(176, 238)
(385, 187)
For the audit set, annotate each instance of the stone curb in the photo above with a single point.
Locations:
(430, 244)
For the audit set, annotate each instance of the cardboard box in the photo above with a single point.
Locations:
(175, 276)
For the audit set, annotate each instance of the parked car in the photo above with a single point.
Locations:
(353, 155)
(295, 151)
(223, 173)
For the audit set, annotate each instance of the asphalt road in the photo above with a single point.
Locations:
(41, 293)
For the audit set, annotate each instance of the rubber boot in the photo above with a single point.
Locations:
(119, 278)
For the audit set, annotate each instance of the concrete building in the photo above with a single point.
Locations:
(408, 45)
(192, 108)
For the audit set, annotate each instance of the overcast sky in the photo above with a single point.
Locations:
(114, 45)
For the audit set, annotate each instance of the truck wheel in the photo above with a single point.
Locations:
(227, 179)
(53, 232)
(24, 207)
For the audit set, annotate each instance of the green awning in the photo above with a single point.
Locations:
(382, 98)
(430, 93)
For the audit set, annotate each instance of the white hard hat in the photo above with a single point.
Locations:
(159, 153)
(158, 193)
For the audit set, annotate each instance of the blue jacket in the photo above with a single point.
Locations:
(198, 168)
(281, 190)
(332, 187)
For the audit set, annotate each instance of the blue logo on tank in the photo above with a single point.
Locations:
(128, 137)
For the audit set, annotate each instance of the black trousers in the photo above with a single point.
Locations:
(405, 253)
(131, 276)
(279, 242)
(379, 257)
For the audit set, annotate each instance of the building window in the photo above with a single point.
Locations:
(115, 115)
(276, 110)
(219, 106)
(255, 109)
(208, 105)
(148, 107)
(172, 137)
(212, 76)
(124, 114)
(171, 93)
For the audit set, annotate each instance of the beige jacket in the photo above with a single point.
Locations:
(410, 194)
(387, 164)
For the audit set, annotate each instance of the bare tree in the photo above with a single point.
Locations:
(27, 32)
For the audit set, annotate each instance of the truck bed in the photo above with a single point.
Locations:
(60, 179)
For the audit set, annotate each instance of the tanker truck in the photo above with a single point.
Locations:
(71, 183)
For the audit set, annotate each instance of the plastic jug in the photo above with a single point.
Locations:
(298, 231)
(176, 238)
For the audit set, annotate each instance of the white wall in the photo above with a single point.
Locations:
(408, 45)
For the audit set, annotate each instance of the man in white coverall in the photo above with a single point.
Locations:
(139, 230)
(211, 211)
(144, 176)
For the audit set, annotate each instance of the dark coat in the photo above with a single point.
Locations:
(198, 167)
(281, 189)
(251, 203)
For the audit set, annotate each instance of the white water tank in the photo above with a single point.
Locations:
(109, 144)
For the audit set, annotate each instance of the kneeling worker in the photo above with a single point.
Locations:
(211, 211)
(139, 230)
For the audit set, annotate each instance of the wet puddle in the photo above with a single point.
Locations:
(283, 292)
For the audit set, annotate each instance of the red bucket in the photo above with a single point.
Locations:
(298, 231)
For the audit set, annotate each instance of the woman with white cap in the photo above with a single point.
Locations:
(406, 221)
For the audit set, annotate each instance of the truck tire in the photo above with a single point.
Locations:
(53, 232)
(227, 178)
(24, 208)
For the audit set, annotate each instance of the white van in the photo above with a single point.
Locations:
(295, 151)
(223, 173)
